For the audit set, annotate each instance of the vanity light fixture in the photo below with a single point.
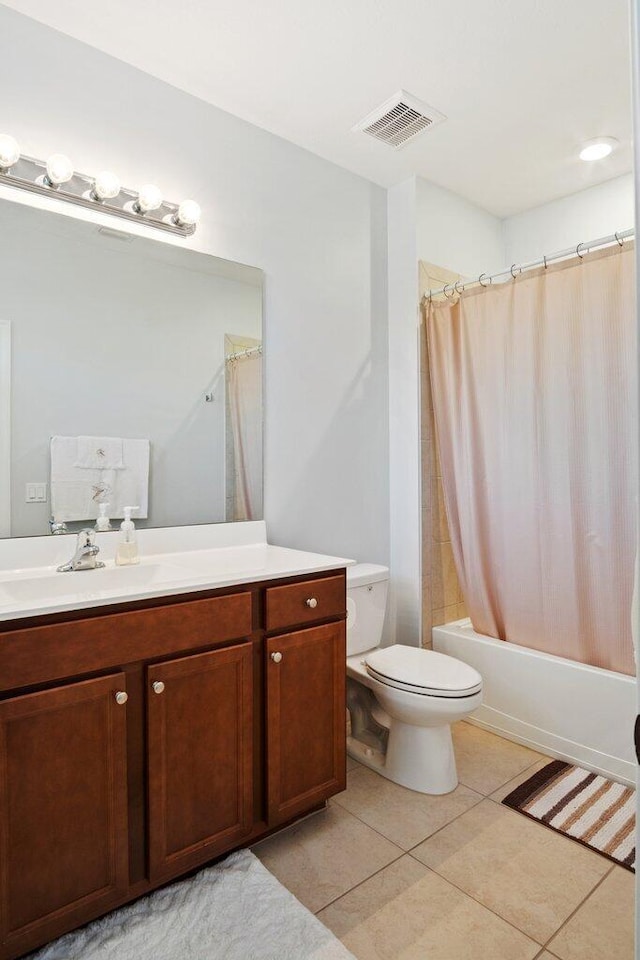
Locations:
(106, 186)
(9, 151)
(149, 198)
(188, 214)
(598, 149)
(57, 178)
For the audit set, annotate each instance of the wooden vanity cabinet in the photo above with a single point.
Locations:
(139, 744)
(200, 757)
(306, 760)
(63, 809)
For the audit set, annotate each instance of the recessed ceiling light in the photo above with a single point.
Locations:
(598, 149)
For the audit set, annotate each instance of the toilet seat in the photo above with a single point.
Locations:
(423, 672)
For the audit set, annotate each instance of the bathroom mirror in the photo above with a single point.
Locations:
(110, 336)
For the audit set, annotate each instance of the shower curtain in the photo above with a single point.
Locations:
(244, 386)
(534, 395)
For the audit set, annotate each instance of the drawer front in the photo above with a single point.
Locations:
(43, 654)
(300, 603)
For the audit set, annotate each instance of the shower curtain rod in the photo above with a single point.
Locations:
(244, 353)
(517, 268)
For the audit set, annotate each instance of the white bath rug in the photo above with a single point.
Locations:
(235, 910)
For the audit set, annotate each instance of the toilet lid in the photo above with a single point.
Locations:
(423, 671)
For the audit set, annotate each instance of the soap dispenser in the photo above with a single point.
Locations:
(103, 523)
(127, 551)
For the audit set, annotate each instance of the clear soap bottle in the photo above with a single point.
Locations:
(127, 551)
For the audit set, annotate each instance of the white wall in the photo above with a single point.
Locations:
(404, 417)
(318, 232)
(587, 215)
(456, 234)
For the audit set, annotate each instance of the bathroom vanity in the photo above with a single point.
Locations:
(148, 730)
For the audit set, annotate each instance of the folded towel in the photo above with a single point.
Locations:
(77, 492)
(99, 453)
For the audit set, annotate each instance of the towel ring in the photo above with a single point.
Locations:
(620, 242)
(484, 284)
(581, 255)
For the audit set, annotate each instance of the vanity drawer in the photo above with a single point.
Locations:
(42, 654)
(300, 603)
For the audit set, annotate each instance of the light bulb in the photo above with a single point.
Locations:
(598, 149)
(149, 198)
(59, 169)
(188, 214)
(9, 151)
(106, 186)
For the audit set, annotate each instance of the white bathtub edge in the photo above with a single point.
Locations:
(553, 746)
(567, 710)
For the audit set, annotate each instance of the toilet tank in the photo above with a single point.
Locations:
(367, 586)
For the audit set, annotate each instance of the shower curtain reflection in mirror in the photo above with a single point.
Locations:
(243, 376)
(534, 384)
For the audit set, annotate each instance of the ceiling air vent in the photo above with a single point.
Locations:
(399, 119)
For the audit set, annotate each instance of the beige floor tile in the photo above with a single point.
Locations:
(602, 929)
(406, 912)
(321, 858)
(352, 764)
(403, 816)
(526, 873)
(486, 761)
(506, 788)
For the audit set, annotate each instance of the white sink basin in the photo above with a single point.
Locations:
(83, 584)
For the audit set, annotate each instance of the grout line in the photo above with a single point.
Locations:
(480, 903)
(360, 882)
(579, 907)
(481, 797)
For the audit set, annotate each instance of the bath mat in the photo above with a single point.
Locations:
(596, 812)
(235, 910)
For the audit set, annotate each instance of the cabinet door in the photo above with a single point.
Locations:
(63, 809)
(200, 735)
(305, 719)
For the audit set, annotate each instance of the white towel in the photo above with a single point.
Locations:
(99, 453)
(77, 492)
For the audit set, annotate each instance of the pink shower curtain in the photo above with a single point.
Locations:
(533, 385)
(245, 407)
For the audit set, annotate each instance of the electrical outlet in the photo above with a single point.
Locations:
(36, 493)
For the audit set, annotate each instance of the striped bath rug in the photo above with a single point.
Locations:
(582, 805)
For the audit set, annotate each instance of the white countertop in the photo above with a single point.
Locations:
(28, 591)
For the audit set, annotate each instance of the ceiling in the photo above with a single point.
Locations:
(522, 82)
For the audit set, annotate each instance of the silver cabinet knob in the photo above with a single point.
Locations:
(312, 602)
(276, 657)
(158, 686)
(121, 697)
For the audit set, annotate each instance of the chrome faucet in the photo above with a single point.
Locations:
(57, 526)
(86, 552)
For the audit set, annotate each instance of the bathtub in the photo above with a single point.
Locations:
(568, 710)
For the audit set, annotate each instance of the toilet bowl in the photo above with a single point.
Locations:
(402, 700)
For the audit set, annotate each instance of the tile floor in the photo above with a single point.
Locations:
(401, 876)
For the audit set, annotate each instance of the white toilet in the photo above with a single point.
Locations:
(401, 700)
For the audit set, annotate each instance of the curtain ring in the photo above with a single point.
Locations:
(620, 242)
(581, 255)
(455, 287)
(484, 284)
(444, 290)
(514, 275)
(430, 299)
(544, 260)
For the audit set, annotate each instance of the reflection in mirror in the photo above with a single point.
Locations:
(130, 374)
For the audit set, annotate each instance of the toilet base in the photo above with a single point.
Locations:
(420, 758)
